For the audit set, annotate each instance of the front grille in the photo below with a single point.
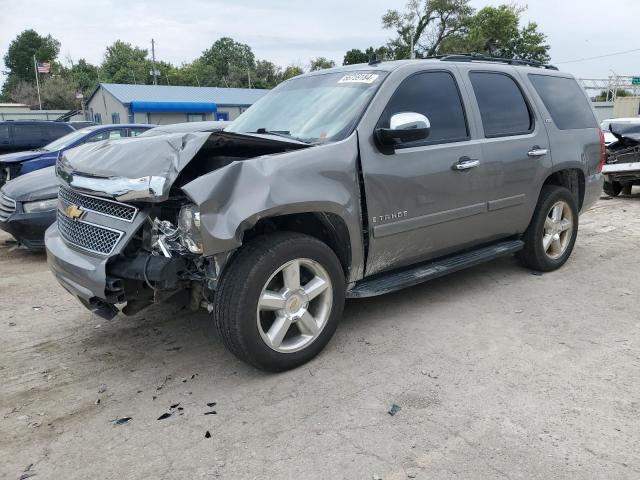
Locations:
(101, 206)
(7, 207)
(88, 236)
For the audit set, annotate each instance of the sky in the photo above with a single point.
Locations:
(292, 32)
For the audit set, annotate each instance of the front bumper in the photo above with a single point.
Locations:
(28, 228)
(81, 274)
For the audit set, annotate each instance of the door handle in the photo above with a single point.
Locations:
(537, 152)
(465, 163)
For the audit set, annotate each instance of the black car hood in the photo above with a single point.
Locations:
(21, 156)
(39, 185)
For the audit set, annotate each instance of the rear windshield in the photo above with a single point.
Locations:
(565, 100)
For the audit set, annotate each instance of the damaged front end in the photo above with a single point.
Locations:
(623, 156)
(127, 235)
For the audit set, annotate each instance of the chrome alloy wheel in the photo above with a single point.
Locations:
(295, 305)
(558, 230)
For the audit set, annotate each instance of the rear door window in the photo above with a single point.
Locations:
(565, 100)
(4, 134)
(56, 130)
(28, 135)
(435, 95)
(502, 105)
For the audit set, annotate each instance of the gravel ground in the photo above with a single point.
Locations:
(497, 373)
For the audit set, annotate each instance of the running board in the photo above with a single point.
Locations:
(413, 275)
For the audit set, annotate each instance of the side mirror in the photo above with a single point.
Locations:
(404, 127)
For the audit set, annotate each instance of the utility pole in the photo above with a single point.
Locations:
(153, 61)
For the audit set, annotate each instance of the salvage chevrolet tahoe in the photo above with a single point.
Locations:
(348, 182)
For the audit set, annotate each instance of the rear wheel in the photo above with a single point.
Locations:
(280, 300)
(552, 233)
(612, 189)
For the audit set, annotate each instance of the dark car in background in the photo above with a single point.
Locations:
(28, 203)
(16, 136)
(15, 164)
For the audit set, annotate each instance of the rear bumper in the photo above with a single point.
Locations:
(28, 228)
(592, 190)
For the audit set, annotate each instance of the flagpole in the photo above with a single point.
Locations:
(35, 66)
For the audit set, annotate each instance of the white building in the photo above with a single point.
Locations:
(164, 104)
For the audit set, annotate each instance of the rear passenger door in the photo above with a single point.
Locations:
(515, 147)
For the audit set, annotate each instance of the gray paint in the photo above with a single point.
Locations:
(418, 206)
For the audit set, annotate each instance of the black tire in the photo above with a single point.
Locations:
(626, 188)
(240, 287)
(533, 255)
(612, 189)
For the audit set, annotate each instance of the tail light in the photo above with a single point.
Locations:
(603, 153)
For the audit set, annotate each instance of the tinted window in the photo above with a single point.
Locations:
(28, 134)
(56, 130)
(435, 95)
(503, 109)
(137, 131)
(4, 132)
(565, 100)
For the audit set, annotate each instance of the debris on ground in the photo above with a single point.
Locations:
(215, 471)
(211, 404)
(175, 405)
(12, 324)
(173, 349)
(164, 415)
(121, 421)
(394, 409)
(375, 476)
(164, 383)
(536, 273)
(207, 434)
(37, 308)
(102, 388)
(212, 412)
(98, 401)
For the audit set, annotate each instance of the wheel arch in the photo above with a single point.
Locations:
(571, 178)
(327, 227)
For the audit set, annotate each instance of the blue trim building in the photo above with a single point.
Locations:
(164, 104)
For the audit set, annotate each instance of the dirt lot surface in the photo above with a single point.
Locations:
(497, 372)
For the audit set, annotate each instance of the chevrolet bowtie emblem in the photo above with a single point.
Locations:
(73, 212)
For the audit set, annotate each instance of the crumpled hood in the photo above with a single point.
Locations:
(21, 156)
(145, 168)
(620, 130)
(39, 185)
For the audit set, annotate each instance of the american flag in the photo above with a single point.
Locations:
(44, 67)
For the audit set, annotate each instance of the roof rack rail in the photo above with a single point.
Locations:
(471, 57)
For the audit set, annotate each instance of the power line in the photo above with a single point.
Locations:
(600, 56)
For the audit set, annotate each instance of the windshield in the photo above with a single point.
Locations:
(313, 109)
(67, 140)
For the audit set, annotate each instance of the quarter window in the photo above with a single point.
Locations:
(503, 109)
(565, 100)
(435, 95)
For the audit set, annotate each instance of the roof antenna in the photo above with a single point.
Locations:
(373, 60)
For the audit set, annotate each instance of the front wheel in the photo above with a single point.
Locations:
(280, 300)
(552, 233)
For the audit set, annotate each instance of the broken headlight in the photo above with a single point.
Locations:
(189, 226)
(186, 237)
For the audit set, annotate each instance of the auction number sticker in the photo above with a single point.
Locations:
(359, 78)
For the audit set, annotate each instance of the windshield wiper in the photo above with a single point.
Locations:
(279, 133)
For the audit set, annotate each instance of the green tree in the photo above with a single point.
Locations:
(83, 75)
(495, 31)
(355, 56)
(226, 63)
(425, 24)
(23, 92)
(321, 63)
(19, 57)
(124, 63)
(58, 93)
(291, 71)
(267, 74)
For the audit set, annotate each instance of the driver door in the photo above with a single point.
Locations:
(427, 198)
